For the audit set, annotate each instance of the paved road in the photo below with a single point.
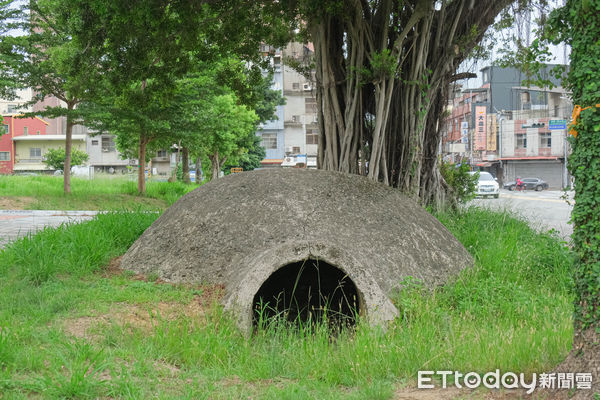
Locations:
(17, 223)
(544, 210)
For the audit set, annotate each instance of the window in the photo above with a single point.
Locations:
(161, 153)
(94, 143)
(295, 118)
(310, 104)
(295, 86)
(6, 130)
(269, 140)
(4, 156)
(35, 152)
(521, 141)
(11, 108)
(546, 140)
(108, 145)
(296, 149)
(312, 136)
(25, 131)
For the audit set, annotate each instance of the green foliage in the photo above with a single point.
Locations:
(55, 158)
(88, 335)
(101, 193)
(76, 249)
(251, 160)
(461, 184)
(578, 24)
(45, 51)
(383, 65)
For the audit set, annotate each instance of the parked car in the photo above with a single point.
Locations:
(486, 185)
(530, 183)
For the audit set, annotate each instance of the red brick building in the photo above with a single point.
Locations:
(15, 127)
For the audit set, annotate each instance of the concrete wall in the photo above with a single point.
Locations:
(100, 157)
(13, 106)
(23, 160)
(510, 128)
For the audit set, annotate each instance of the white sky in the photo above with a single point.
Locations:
(560, 53)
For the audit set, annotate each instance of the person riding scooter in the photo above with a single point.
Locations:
(520, 184)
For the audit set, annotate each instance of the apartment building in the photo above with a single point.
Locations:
(292, 139)
(510, 129)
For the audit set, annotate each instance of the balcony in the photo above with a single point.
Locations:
(293, 123)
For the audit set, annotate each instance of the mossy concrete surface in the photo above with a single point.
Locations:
(238, 230)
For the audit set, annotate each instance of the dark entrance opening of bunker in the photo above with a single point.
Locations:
(305, 293)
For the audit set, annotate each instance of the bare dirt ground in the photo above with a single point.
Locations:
(143, 316)
(15, 203)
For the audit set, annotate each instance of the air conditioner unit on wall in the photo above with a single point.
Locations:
(306, 87)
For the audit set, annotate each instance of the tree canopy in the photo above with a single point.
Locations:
(41, 48)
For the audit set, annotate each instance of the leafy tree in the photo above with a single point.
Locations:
(251, 160)
(157, 42)
(224, 129)
(55, 158)
(42, 48)
(578, 24)
(382, 72)
(199, 95)
(138, 119)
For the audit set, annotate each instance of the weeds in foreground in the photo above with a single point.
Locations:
(512, 311)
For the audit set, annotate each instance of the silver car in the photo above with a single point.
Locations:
(486, 185)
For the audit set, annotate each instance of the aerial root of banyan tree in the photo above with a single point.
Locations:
(382, 76)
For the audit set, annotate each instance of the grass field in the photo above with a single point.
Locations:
(73, 326)
(102, 193)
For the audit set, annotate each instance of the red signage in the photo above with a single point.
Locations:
(480, 128)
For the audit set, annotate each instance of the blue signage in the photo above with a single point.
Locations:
(557, 124)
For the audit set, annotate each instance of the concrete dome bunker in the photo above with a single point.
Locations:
(238, 230)
(372, 304)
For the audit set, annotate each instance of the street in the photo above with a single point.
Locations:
(18, 223)
(543, 210)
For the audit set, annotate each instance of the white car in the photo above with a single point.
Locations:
(486, 185)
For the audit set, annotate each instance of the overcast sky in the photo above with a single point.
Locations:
(560, 53)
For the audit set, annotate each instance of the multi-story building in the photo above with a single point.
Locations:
(24, 141)
(292, 138)
(510, 129)
(104, 156)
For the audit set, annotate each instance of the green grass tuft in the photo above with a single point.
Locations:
(512, 311)
(102, 193)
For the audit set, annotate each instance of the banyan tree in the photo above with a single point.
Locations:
(382, 72)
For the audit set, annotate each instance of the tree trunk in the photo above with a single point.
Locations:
(142, 164)
(198, 170)
(173, 177)
(215, 165)
(380, 72)
(68, 146)
(185, 164)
